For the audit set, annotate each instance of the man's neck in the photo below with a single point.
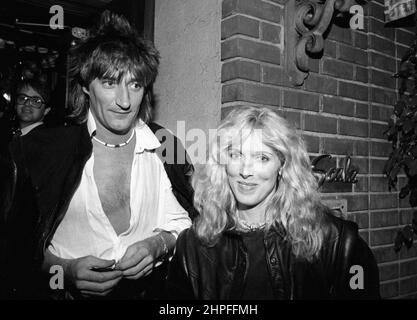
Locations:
(27, 127)
(111, 137)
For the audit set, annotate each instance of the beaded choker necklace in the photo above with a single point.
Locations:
(115, 145)
(250, 226)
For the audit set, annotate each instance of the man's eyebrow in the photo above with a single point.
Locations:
(108, 78)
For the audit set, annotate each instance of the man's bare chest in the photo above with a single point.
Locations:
(112, 176)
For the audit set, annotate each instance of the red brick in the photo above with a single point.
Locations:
(380, 29)
(404, 37)
(330, 48)
(336, 187)
(385, 254)
(337, 68)
(382, 45)
(361, 148)
(408, 285)
(274, 75)
(354, 91)
(241, 70)
(382, 79)
(251, 93)
(361, 110)
(351, 54)
(408, 268)
(240, 25)
(401, 52)
(313, 65)
(320, 84)
(337, 105)
(406, 216)
(361, 74)
(293, 117)
(376, 10)
(384, 201)
(383, 62)
(381, 237)
(361, 164)
(377, 166)
(270, 32)
(356, 202)
(377, 130)
(340, 34)
(362, 185)
(245, 48)
(312, 143)
(388, 271)
(380, 149)
(353, 128)
(320, 123)
(381, 113)
(389, 290)
(337, 146)
(379, 184)
(384, 219)
(301, 100)
(411, 28)
(361, 40)
(254, 8)
(361, 218)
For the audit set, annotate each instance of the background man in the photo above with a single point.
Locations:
(31, 106)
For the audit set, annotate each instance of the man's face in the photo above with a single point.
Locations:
(26, 110)
(115, 106)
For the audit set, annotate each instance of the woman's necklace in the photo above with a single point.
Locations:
(250, 226)
(115, 145)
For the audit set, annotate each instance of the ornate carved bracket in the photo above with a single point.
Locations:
(305, 23)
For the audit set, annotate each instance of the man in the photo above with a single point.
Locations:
(107, 214)
(31, 106)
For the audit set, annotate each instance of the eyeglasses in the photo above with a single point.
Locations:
(33, 101)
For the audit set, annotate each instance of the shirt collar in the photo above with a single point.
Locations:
(145, 138)
(29, 128)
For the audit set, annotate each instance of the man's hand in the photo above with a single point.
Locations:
(140, 258)
(80, 273)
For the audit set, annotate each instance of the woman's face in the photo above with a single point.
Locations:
(252, 170)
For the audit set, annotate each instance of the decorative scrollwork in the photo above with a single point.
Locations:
(346, 174)
(309, 19)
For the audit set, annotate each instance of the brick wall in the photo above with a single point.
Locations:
(342, 108)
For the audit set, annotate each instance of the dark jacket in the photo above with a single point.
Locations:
(41, 173)
(218, 272)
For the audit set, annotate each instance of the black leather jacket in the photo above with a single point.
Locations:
(38, 177)
(218, 272)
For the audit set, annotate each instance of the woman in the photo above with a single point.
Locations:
(262, 232)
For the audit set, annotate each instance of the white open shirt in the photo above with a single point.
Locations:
(86, 230)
